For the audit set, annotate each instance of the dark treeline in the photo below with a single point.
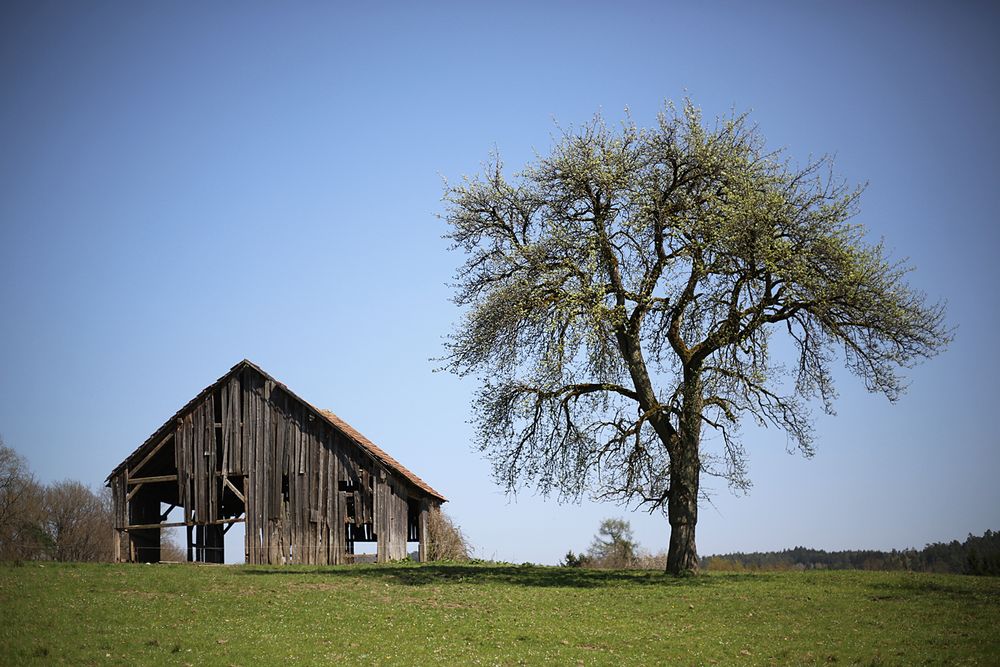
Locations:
(976, 555)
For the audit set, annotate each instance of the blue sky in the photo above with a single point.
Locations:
(184, 185)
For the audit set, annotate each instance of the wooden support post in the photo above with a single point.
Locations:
(126, 514)
(380, 517)
(199, 536)
(120, 509)
(246, 532)
(190, 552)
(424, 513)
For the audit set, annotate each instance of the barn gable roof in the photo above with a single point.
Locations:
(336, 422)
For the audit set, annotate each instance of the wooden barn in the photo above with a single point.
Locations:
(248, 450)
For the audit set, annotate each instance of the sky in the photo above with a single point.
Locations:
(184, 185)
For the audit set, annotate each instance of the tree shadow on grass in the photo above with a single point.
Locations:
(530, 576)
(919, 583)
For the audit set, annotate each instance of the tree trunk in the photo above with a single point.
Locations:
(682, 511)
(685, 472)
(683, 448)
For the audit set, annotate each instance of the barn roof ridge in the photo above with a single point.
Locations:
(328, 416)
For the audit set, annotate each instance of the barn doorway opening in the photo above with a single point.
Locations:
(361, 541)
(235, 545)
(172, 545)
(413, 529)
(365, 552)
(206, 543)
(232, 507)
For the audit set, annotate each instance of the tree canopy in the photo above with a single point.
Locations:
(623, 293)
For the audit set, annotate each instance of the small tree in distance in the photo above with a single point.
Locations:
(622, 295)
(614, 546)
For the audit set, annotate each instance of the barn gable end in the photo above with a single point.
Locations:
(248, 450)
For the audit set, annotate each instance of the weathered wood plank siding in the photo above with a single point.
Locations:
(247, 449)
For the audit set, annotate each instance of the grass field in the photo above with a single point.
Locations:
(102, 614)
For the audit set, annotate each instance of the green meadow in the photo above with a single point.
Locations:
(488, 614)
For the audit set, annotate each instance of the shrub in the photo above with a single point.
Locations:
(575, 560)
(445, 540)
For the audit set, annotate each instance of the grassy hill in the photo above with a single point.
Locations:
(488, 614)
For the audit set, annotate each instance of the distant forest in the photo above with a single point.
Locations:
(976, 555)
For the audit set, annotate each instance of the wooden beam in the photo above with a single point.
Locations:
(151, 454)
(148, 526)
(156, 478)
(176, 524)
(235, 490)
(133, 492)
(163, 517)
